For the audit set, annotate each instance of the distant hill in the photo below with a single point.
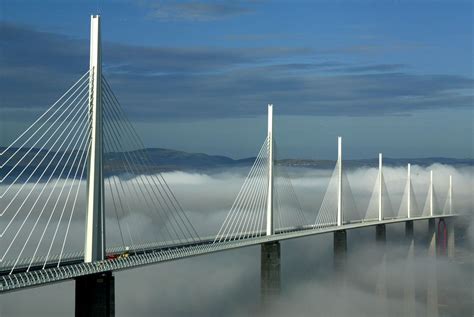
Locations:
(161, 160)
(167, 159)
(170, 160)
(326, 164)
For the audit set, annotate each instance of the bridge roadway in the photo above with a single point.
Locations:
(22, 278)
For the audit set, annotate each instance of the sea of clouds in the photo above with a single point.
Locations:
(227, 283)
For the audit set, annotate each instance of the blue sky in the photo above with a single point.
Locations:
(392, 76)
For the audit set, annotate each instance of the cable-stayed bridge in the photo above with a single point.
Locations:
(83, 159)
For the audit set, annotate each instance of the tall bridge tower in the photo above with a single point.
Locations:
(95, 294)
(94, 249)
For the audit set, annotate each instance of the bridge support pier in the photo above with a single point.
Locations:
(451, 239)
(270, 272)
(409, 231)
(431, 281)
(409, 288)
(95, 295)
(380, 235)
(432, 236)
(340, 250)
(381, 283)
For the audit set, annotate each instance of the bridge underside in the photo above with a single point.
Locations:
(95, 295)
(270, 272)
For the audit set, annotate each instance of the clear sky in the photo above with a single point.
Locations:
(391, 76)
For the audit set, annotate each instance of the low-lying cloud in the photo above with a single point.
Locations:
(226, 283)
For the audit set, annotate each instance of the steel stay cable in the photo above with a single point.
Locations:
(321, 216)
(82, 162)
(276, 203)
(129, 158)
(111, 188)
(84, 139)
(258, 204)
(277, 197)
(38, 140)
(41, 176)
(244, 211)
(263, 201)
(414, 201)
(111, 132)
(327, 209)
(350, 196)
(132, 244)
(240, 226)
(52, 191)
(331, 210)
(74, 205)
(116, 179)
(293, 216)
(295, 197)
(283, 194)
(164, 201)
(170, 195)
(388, 200)
(404, 201)
(116, 212)
(292, 196)
(255, 203)
(278, 209)
(151, 207)
(236, 215)
(236, 207)
(373, 200)
(222, 231)
(37, 120)
(34, 157)
(256, 189)
(39, 195)
(132, 171)
(120, 185)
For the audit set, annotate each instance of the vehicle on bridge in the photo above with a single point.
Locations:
(123, 255)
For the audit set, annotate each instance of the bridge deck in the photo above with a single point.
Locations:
(72, 268)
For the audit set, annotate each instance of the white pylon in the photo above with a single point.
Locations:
(450, 195)
(94, 249)
(431, 193)
(339, 182)
(380, 188)
(409, 191)
(270, 172)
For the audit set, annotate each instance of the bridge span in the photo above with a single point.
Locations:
(150, 254)
(83, 147)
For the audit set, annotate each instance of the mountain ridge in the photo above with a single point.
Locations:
(161, 159)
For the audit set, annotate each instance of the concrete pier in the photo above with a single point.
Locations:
(442, 238)
(340, 268)
(432, 237)
(270, 282)
(381, 282)
(409, 295)
(409, 231)
(95, 295)
(380, 235)
(340, 250)
(451, 239)
(432, 278)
